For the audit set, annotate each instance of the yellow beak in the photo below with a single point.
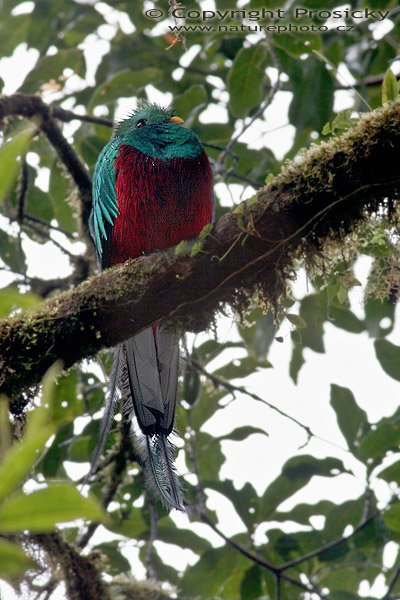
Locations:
(177, 120)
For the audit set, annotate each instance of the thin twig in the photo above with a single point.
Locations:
(329, 545)
(150, 569)
(392, 582)
(38, 229)
(48, 225)
(68, 115)
(255, 184)
(220, 382)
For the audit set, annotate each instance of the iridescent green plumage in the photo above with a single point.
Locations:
(159, 139)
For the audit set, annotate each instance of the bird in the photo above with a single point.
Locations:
(152, 188)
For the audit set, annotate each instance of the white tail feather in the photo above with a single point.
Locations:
(161, 478)
(111, 401)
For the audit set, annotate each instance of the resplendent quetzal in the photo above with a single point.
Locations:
(152, 188)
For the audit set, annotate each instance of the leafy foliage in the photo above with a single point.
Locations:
(329, 547)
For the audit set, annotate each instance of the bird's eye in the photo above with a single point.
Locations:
(141, 123)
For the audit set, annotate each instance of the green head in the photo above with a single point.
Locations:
(157, 132)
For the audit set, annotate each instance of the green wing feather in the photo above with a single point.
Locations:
(105, 204)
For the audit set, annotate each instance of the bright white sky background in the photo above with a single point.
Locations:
(349, 359)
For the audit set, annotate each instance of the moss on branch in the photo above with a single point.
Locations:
(320, 197)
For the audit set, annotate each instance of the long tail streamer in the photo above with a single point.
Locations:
(144, 378)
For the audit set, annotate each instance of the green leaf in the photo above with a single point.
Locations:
(388, 355)
(65, 403)
(10, 252)
(241, 367)
(117, 563)
(184, 538)
(341, 122)
(297, 44)
(191, 385)
(40, 511)
(11, 298)
(52, 463)
(296, 473)
(326, 130)
(352, 420)
(242, 433)
(164, 571)
(344, 120)
(342, 595)
(209, 456)
(384, 438)
(296, 320)
(303, 512)
(210, 349)
(19, 460)
(312, 102)
(22, 456)
(181, 248)
(134, 527)
(205, 231)
(245, 501)
(246, 79)
(13, 32)
(58, 194)
(13, 561)
(313, 311)
(124, 84)
(375, 312)
(251, 587)
(314, 314)
(191, 102)
(343, 318)
(391, 473)
(10, 158)
(210, 573)
(392, 517)
(260, 334)
(390, 87)
(90, 147)
(341, 515)
(206, 405)
(80, 449)
(196, 249)
(297, 360)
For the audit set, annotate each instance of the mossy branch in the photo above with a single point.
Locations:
(321, 196)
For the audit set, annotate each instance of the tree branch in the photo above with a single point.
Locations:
(259, 560)
(392, 582)
(329, 545)
(230, 387)
(80, 574)
(320, 197)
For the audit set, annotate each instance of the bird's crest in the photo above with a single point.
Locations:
(145, 111)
